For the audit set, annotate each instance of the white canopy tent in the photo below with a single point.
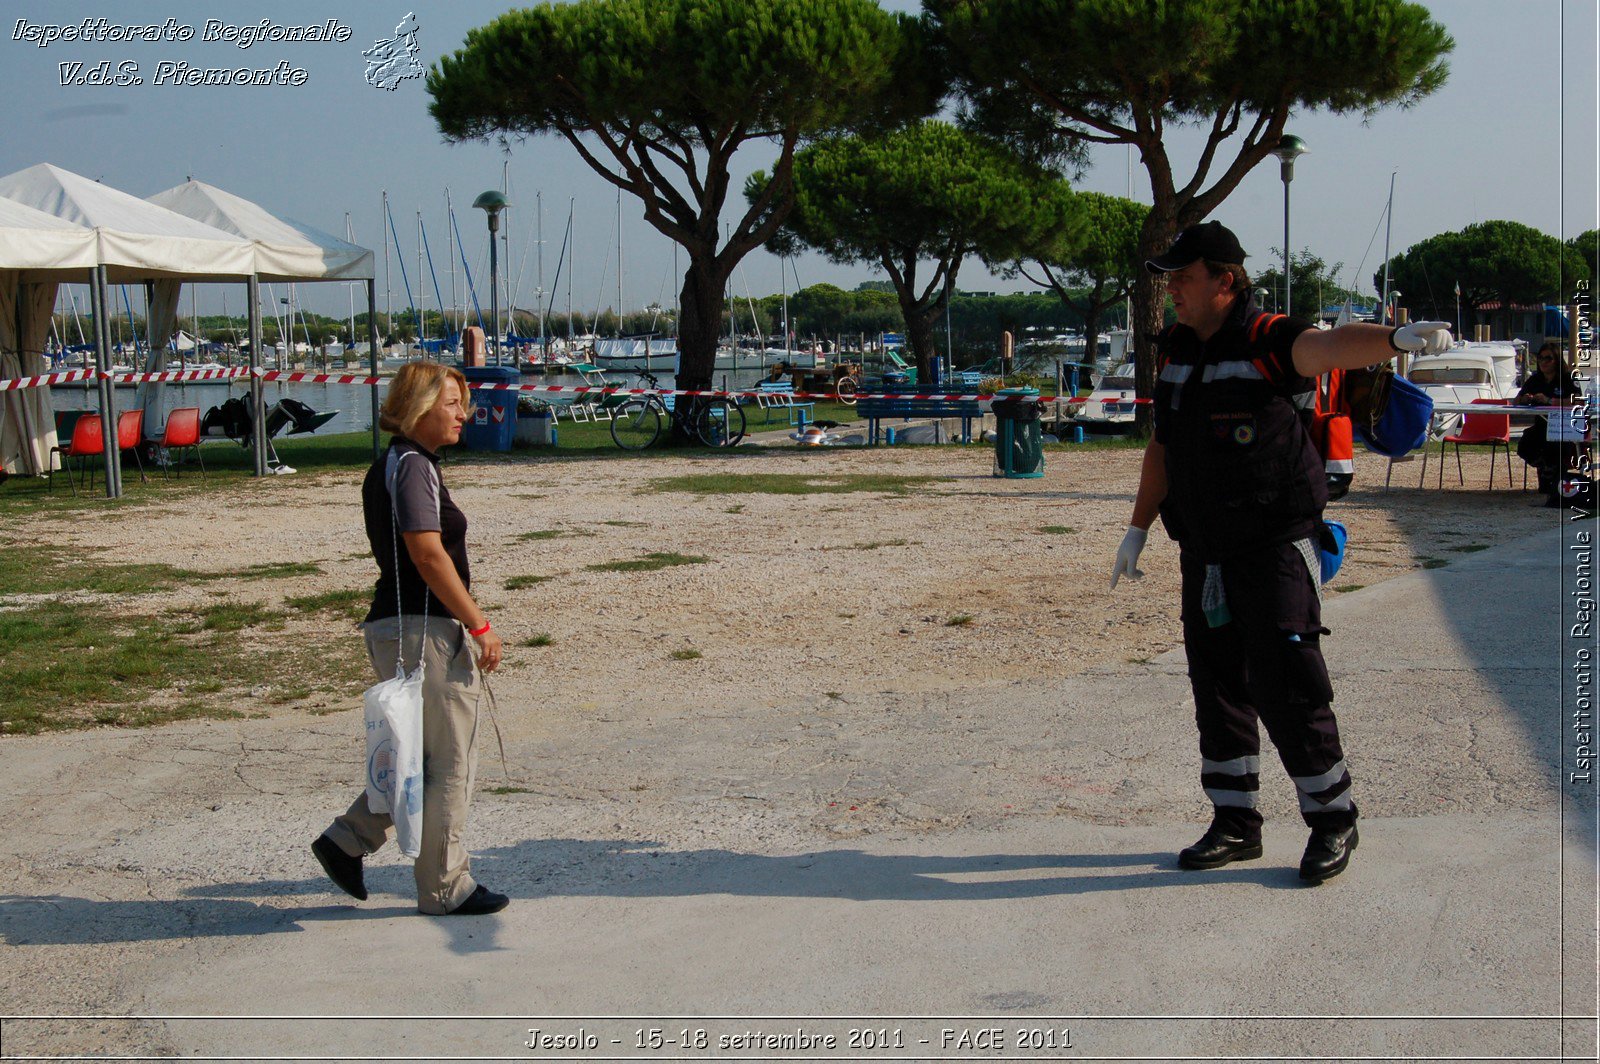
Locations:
(134, 241)
(36, 246)
(285, 250)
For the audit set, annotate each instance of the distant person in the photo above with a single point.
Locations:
(1237, 481)
(425, 409)
(1552, 384)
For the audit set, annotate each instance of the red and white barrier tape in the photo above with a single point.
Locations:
(585, 389)
(173, 375)
(18, 383)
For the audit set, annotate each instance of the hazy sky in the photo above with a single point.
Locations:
(1512, 135)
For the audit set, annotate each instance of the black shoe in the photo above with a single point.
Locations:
(1327, 853)
(344, 870)
(1217, 848)
(481, 902)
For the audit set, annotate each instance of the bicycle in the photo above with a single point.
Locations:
(713, 420)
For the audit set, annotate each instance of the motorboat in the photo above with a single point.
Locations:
(1110, 404)
(1467, 372)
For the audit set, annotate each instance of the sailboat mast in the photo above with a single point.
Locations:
(350, 237)
(388, 292)
(455, 297)
(619, 264)
(1387, 226)
(422, 294)
(544, 340)
(505, 248)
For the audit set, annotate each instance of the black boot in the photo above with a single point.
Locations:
(1218, 847)
(1327, 853)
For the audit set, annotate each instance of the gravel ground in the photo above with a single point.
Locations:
(842, 642)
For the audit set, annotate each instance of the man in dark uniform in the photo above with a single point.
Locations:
(1234, 474)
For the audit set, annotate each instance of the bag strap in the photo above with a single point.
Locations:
(427, 592)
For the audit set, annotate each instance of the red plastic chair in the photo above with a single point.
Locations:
(182, 433)
(130, 434)
(87, 441)
(1479, 430)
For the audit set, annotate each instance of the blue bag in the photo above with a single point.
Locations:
(1396, 416)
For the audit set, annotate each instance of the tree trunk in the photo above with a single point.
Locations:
(700, 324)
(919, 337)
(1149, 305)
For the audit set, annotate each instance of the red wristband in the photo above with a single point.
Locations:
(480, 631)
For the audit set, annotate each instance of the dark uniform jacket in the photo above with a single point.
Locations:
(1234, 415)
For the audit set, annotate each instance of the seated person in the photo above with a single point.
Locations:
(1552, 384)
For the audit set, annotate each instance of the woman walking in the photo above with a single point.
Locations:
(422, 591)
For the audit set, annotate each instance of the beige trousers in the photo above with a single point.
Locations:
(451, 690)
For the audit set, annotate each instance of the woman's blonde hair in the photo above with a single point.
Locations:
(414, 391)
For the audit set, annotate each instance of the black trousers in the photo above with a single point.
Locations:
(1264, 664)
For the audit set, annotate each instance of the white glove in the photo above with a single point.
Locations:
(1429, 337)
(1128, 555)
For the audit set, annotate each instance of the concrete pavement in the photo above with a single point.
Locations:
(1005, 862)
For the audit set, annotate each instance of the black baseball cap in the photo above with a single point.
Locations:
(1208, 240)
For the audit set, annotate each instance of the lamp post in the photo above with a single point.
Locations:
(1394, 307)
(1289, 148)
(492, 203)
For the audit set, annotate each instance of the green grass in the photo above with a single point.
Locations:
(237, 616)
(1346, 588)
(1057, 530)
(1434, 563)
(546, 533)
(349, 602)
(129, 670)
(747, 483)
(543, 639)
(684, 655)
(873, 545)
(508, 790)
(43, 569)
(517, 583)
(1469, 548)
(626, 524)
(649, 563)
(960, 620)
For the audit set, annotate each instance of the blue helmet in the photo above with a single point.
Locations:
(1331, 539)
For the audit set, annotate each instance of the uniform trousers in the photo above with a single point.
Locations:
(451, 689)
(1264, 664)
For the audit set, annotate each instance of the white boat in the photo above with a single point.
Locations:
(1464, 373)
(1111, 402)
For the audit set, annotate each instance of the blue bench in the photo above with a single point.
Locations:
(781, 393)
(876, 407)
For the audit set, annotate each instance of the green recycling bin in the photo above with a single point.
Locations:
(1019, 435)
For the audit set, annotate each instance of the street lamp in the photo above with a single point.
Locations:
(1289, 148)
(1394, 307)
(492, 203)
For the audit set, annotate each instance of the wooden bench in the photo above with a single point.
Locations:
(775, 394)
(876, 407)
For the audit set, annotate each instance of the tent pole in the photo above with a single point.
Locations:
(108, 408)
(258, 418)
(372, 356)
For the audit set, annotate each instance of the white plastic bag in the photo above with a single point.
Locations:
(394, 755)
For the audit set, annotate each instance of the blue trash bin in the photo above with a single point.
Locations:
(493, 425)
